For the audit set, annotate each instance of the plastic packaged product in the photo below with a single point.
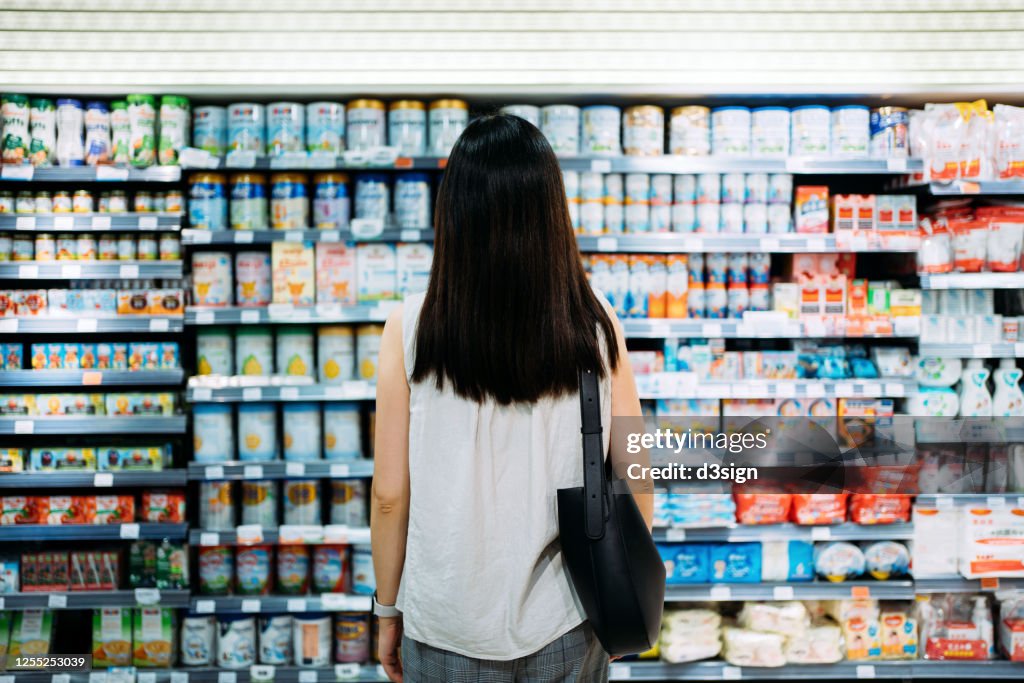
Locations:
(956, 627)
(838, 561)
(211, 278)
(97, 133)
(790, 619)
(819, 508)
(600, 126)
(991, 542)
(213, 437)
(819, 644)
(259, 503)
(39, 144)
(198, 635)
(330, 569)
(252, 570)
(735, 562)
(141, 128)
(207, 206)
(252, 279)
(811, 130)
(302, 428)
(348, 502)
(325, 127)
(689, 635)
(886, 559)
(248, 201)
(293, 569)
(407, 127)
(331, 204)
(373, 196)
(70, 122)
(14, 129)
(364, 581)
(850, 131)
(769, 132)
(342, 431)
(365, 124)
(247, 128)
(275, 641)
(741, 647)
(236, 641)
(120, 133)
(643, 131)
(209, 130)
(560, 124)
(174, 120)
(312, 639)
(787, 561)
(257, 432)
(216, 570)
(351, 637)
(413, 201)
(527, 112)
(447, 119)
(762, 508)
(686, 562)
(970, 240)
(888, 127)
(1011, 624)
(730, 130)
(1004, 245)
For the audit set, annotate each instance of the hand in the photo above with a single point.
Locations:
(389, 639)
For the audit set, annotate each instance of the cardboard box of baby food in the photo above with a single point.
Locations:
(336, 273)
(376, 272)
(153, 637)
(810, 209)
(293, 273)
(112, 637)
(414, 259)
(31, 632)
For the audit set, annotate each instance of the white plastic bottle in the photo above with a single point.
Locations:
(982, 618)
(975, 401)
(1008, 400)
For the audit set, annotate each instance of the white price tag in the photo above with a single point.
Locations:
(844, 389)
(57, 601)
(720, 593)
(675, 534)
(866, 670)
(322, 158)
(227, 677)
(249, 317)
(250, 606)
(816, 244)
(24, 427)
(253, 472)
(1018, 349)
(159, 325)
(60, 678)
(345, 671)
(16, 171)
(209, 538)
(339, 471)
(128, 271)
(28, 271)
(249, 534)
(295, 469)
(336, 534)
(711, 330)
(200, 394)
(214, 472)
(205, 606)
(94, 677)
(146, 677)
(289, 393)
(86, 324)
(243, 236)
(944, 501)
(330, 236)
(147, 222)
(71, 272)
(290, 160)
(112, 173)
(9, 325)
(982, 350)
(821, 533)
(996, 501)
(296, 605)
(601, 166)
(198, 236)
(365, 228)
(782, 593)
(101, 222)
(130, 531)
(895, 165)
(252, 394)
(179, 677)
(872, 390)
(334, 392)
(731, 673)
(241, 159)
(25, 223)
(103, 480)
(339, 601)
(785, 389)
(205, 317)
(619, 672)
(410, 236)
(63, 222)
(307, 677)
(3, 603)
(895, 389)
(770, 244)
(607, 244)
(147, 596)
(293, 236)
(193, 157)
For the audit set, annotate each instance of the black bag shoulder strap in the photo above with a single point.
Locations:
(593, 456)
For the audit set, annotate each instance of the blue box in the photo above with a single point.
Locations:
(736, 563)
(685, 562)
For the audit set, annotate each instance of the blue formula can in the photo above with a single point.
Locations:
(248, 201)
(209, 130)
(325, 127)
(208, 205)
(373, 196)
(412, 201)
(247, 128)
(331, 203)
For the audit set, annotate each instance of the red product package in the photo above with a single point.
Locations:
(114, 509)
(19, 510)
(762, 508)
(819, 508)
(868, 508)
(163, 506)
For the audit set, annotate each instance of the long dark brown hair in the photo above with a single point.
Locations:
(508, 314)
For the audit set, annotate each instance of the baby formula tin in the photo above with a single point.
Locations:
(207, 206)
(213, 351)
(97, 133)
(343, 438)
(527, 112)
(888, 127)
(769, 132)
(141, 128)
(560, 124)
(810, 130)
(850, 131)
(351, 637)
(684, 217)
(734, 188)
(643, 131)
(247, 128)
(363, 580)
(348, 502)
(325, 127)
(301, 438)
(730, 131)
(289, 204)
(709, 188)
(254, 349)
(757, 187)
(252, 568)
(412, 201)
(174, 118)
(365, 124)
(780, 188)
(252, 278)
(198, 634)
(248, 201)
(276, 640)
(312, 639)
(302, 499)
(731, 218)
(295, 351)
(217, 502)
(601, 130)
(236, 641)
(690, 131)
(336, 354)
(257, 433)
(211, 278)
(285, 128)
(293, 569)
(330, 569)
(407, 128)
(368, 350)
(755, 217)
(213, 436)
(373, 196)
(209, 130)
(259, 501)
(448, 118)
(709, 218)
(216, 570)
(331, 205)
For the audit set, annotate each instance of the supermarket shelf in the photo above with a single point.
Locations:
(809, 590)
(328, 602)
(781, 532)
(92, 599)
(727, 164)
(301, 161)
(672, 243)
(323, 469)
(990, 500)
(93, 378)
(286, 534)
(87, 222)
(973, 281)
(349, 673)
(191, 237)
(92, 532)
(87, 270)
(960, 585)
(287, 314)
(912, 669)
(968, 187)
(685, 385)
(728, 328)
(102, 479)
(357, 390)
(156, 426)
(88, 174)
(998, 350)
(124, 323)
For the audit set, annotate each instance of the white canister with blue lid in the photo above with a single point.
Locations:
(373, 196)
(302, 429)
(212, 432)
(730, 131)
(325, 127)
(286, 127)
(851, 134)
(257, 432)
(236, 641)
(810, 130)
(246, 128)
(343, 434)
(527, 112)
(769, 132)
(412, 201)
(560, 124)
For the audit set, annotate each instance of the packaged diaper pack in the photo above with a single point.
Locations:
(787, 561)
(735, 563)
(688, 635)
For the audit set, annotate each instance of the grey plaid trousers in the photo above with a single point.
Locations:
(576, 657)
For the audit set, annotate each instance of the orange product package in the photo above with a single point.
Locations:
(762, 508)
(163, 506)
(114, 509)
(19, 510)
(819, 508)
(67, 509)
(870, 508)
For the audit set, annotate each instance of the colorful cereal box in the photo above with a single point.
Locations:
(152, 634)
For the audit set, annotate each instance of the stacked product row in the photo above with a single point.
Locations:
(223, 504)
(155, 506)
(96, 299)
(81, 201)
(964, 239)
(130, 356)
(110, 404)
(299, 569)
(48, 247)
(673, 509)
(147, 458)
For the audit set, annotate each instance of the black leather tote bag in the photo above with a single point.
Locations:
(612, 560)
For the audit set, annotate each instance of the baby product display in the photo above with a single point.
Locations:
(122, 298)
(268, 503)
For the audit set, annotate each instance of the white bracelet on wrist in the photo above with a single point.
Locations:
(388, 611)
